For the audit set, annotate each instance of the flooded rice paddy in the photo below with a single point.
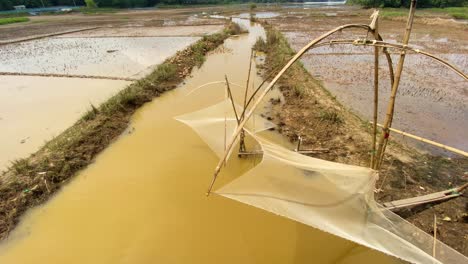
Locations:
(143, 201)
(114, 57)
(432, 101)
(35, 109)
(149, 31)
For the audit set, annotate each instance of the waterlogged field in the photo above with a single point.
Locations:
(34, 109)
(432, 101)
(112, 57)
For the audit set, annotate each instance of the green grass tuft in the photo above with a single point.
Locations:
(331, 116)
(21, 166)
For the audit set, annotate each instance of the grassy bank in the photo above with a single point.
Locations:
(97, 11)
(313, 113)
(31, 181)
(450, 12)
(11, 20)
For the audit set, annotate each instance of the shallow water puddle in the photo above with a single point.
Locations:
(35, 109)
(143, 201)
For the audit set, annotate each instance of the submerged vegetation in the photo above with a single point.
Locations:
(31, 181)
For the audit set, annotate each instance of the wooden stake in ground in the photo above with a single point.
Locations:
(391, 104)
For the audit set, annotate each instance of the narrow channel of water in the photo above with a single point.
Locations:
(143, 200)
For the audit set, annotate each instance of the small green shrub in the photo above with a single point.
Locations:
(164, 72)
(260, 45)
(299, 90)
(90, 114)
(90, 4)
(331, 116)
(234, 29)
(21, 166)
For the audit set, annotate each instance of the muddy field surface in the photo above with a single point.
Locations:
(143, 31)
(44, 25)
(432, 101)
(115, 57)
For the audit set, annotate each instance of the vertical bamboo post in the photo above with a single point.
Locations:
(229, 95)
(391, 104)
(248, 78)
(375, 27)
(242, 134)
(435, 237)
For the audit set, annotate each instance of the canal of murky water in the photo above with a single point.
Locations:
(143, 200)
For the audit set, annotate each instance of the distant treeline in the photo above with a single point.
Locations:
(8, 4)
(406, 3)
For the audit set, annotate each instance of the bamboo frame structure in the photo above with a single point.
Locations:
(394, 80)
(268, 88)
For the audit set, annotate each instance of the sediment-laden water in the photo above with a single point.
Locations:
(143, 200)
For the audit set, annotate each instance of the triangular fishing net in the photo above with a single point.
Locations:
(333, 197)
(216, 124)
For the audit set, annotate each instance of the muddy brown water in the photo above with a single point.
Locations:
(143, 200)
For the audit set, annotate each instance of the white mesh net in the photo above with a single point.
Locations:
(333, 197)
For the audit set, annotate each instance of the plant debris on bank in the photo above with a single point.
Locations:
(31, 181)
(311, 112)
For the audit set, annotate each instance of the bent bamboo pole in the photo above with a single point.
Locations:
(267, 89)
(396, 46)
(428, 141)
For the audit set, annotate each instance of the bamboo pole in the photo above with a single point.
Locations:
(242, 135)
(399, 46)
(229, 93)
(248, 78)
(435, 237)
(267, 89)
(391, 104)
(425, 140)
(375, 25)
